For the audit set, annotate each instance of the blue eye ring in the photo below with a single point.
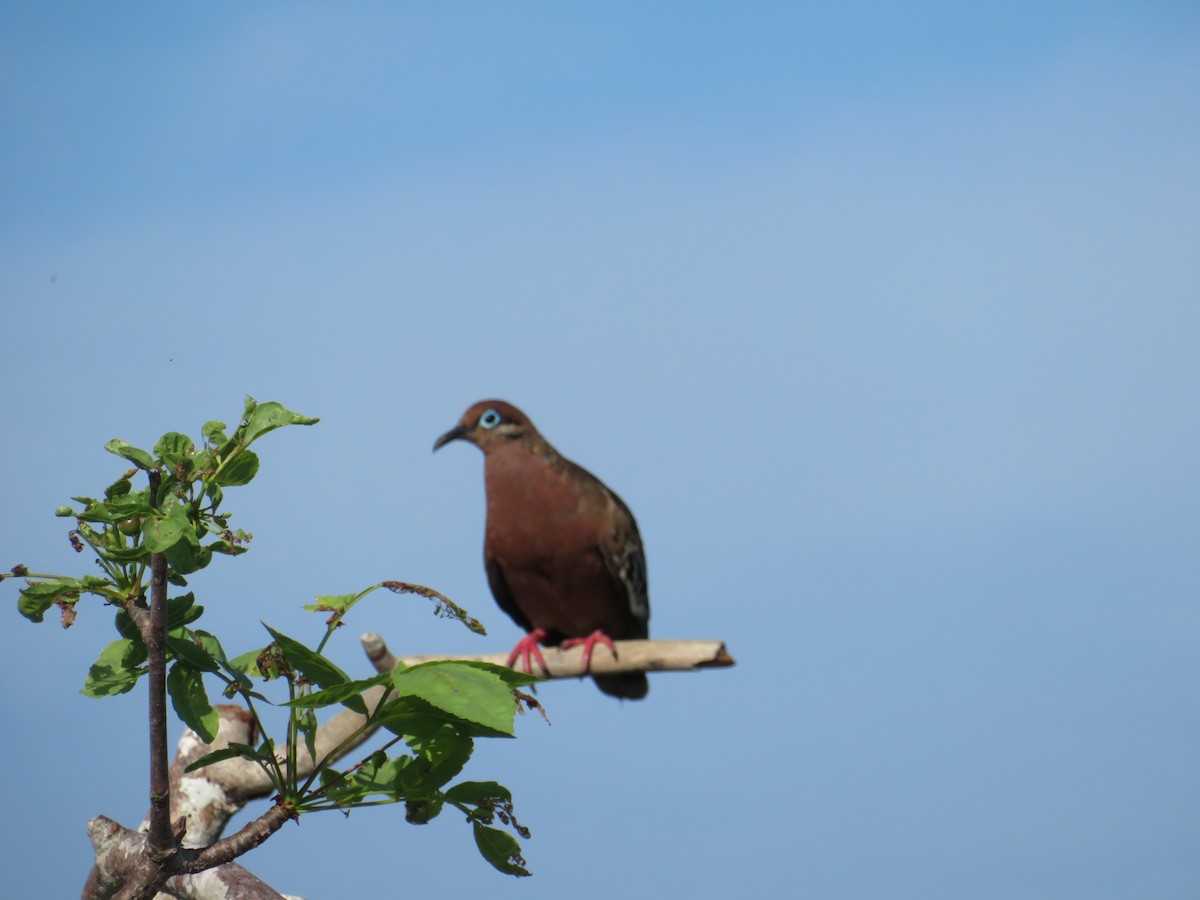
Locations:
(489, 419)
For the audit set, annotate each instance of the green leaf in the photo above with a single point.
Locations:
(182, 610)
(312, 665)
(186, 687)
(187, 556)
(38, 597)
(116, 670)
(438, 762)
(511, 677)
(174, 448)
(129, 505)
(123, 449)
(308, 728)
(214, 432)
(479, 793)
(340, 693)
(234, 750)
(380, 772)
(160, 533)
(500, 849)
(466, 692)
(127, 555)
(264, 417)
(331, 603)
(414, 717)
(343, 791)
(241, 469)
(118, 487)
(213, 647)
(230, 752)
(423, 810)
(247, 662)
(191, 653)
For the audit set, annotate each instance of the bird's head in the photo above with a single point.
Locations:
(488, 423)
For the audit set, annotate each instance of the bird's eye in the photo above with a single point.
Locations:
(490, 419)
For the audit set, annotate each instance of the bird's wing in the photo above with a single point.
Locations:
(622, 551)
(626, 560)
(504, 597)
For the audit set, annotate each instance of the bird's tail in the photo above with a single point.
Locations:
(631, 686)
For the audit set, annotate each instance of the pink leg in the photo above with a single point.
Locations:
(589, 644)
(527, 649)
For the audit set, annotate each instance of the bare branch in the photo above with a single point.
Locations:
(632, 656)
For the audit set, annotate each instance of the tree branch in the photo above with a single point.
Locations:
(632, 656)
(118, 851)
(161, 846)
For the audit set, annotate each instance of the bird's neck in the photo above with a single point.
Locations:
(516, 470)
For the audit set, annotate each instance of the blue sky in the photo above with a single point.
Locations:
(882, 319)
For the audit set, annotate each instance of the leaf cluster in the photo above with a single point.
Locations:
(435, 711)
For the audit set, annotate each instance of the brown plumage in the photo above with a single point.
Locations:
(563, 555)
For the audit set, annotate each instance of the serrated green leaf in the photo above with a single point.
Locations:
(123, 449)
(511, 677)
(312, 665)
(465, 691)
(500, 849)
(263, 417)
(437, 763)
(190, 700)
(412, 716)
(239, 470)
(116, 670)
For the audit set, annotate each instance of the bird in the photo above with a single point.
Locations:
(563, 554)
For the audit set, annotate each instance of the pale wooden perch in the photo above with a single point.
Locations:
(632, 656)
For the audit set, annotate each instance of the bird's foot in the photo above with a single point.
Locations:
(589, 644)
(527, 649)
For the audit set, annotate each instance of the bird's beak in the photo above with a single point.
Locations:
(456, 433)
